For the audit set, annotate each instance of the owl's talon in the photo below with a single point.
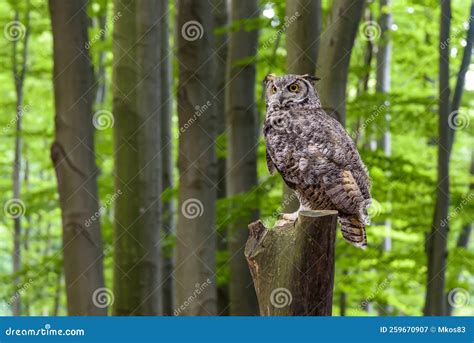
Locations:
(290, 216)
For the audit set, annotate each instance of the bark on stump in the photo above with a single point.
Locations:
(292, 264)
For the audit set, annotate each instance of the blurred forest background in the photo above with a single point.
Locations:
(132, 158)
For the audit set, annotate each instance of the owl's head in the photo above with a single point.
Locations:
(284, 92)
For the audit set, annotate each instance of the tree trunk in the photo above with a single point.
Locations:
(302, 46)
(243, 141)
(437, 241)
(383, 78)
(220, 14)
(19, 72)
(463, 239)
(196, 240)
(293, 265)
(137, 101)
(221, 49)
(335, 54)
(73, 156)
(464, 67)
(167, 158)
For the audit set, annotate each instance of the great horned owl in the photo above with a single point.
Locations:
(315, 155)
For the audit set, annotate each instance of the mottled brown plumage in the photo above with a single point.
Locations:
(315, 155)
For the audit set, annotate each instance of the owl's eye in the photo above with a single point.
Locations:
(294, 88)
(274, 90)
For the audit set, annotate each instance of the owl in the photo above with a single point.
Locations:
(314, 154)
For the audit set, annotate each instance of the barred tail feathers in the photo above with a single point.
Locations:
(353, 230)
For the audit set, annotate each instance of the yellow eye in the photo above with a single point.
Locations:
(294, 88)
(274, 90)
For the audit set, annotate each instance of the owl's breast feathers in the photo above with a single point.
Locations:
(314, 154)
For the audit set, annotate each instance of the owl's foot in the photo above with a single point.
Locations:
(290, 216)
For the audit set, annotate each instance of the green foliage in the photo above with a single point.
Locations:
(404, 184)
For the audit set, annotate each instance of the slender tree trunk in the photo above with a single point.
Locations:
(220, 13)
(221, 48)
(335, 54)
(196, 240)
(383, 78)
(100, 75)
(458, 91)
(243, 140)
(73, 157)
(137, 111)
(464, 236)
(19, 72)
(167, 157)
(437, 241)
(302, 46)
(363, 86)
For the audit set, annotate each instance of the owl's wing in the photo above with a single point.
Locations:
(270, 163)
(332, 150)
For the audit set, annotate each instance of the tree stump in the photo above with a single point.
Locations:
(292, 264)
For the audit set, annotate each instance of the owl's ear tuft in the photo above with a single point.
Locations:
(310, 78)
(268, 78)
